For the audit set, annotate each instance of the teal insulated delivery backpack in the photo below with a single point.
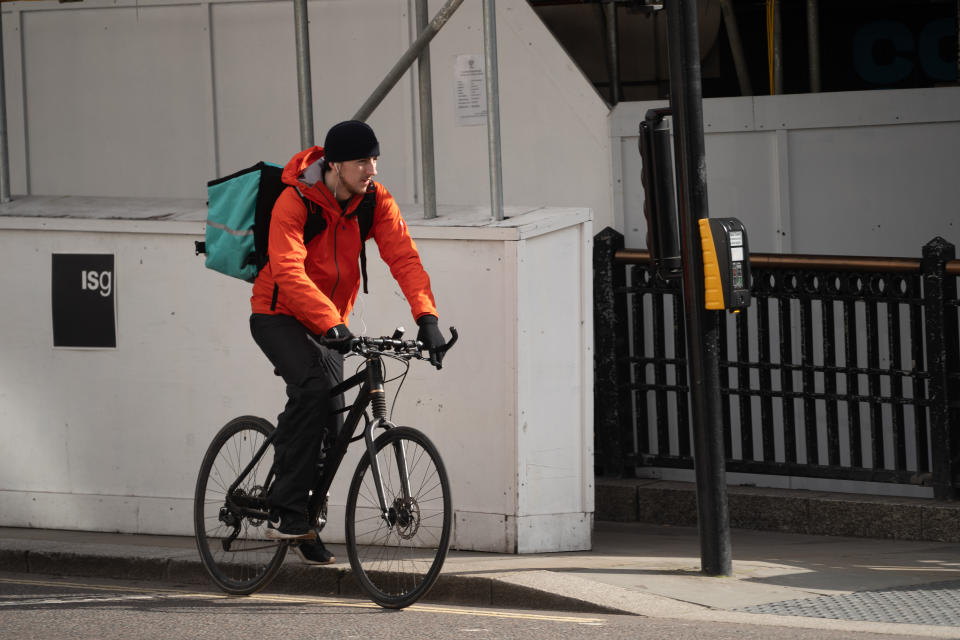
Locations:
(238, 220)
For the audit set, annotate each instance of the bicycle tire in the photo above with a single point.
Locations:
(252, 560)
(398, 562)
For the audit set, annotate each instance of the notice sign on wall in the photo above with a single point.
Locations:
(469, 84)
(84, 301)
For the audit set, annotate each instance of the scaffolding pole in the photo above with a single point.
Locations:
(613, 49)
(4, 153)
(777, 48)
(428, 165)
(493, 107)
(304, 85)
(736, 47)
(393, 76)
(813, 45)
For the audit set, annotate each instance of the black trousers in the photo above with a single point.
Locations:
(310, 372)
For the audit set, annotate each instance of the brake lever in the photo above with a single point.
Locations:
(453, 340)
(436, 355)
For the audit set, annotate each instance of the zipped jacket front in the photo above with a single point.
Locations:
(318, 282)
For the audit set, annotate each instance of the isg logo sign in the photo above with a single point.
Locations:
(84, 300)
(97, 281)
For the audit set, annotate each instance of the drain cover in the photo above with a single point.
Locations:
(937, 604)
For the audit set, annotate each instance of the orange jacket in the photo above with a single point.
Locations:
(317, 283)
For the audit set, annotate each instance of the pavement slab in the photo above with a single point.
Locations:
(779, 579)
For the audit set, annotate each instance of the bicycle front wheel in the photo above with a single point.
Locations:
(397, 556)
(235, 552)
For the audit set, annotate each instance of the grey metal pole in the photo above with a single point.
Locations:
(703, 332)
(4, 153)
(777, 49)
(304, 84)
(493, 107)
(736, 47)
(401, 66)
(613, 49)
(813, 45)
(426, 119)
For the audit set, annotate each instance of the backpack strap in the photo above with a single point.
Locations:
(316, 223)
(313, 227)
(365, 212)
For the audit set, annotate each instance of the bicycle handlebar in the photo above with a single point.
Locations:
(408, 349)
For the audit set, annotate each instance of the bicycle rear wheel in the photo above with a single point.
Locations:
(233, 548)
(396, 557)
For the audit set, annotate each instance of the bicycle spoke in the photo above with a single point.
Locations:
(251, 560)
(398, 557)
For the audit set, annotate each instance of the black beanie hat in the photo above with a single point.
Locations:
(350, 140)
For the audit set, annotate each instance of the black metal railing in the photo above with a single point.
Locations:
(842, 368)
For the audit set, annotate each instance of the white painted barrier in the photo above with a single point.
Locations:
(111, 439)
(845, 173)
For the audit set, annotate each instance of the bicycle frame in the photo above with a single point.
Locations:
(370, 381)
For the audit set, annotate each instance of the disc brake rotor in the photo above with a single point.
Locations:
(405, 516)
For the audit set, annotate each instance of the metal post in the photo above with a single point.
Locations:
(736, 47)
(940, 327)
(304, 86)
(613, 425)
(613, 49)
(686, 101)
(813, 45)
(4, 153)
(426, 119)
(401, 66)
(493, 107)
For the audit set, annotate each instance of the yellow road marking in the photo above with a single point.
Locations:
(502, 614)
(910, 569)
(104, 587)
(483, 613)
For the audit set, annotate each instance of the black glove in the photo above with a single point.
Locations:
(338, 338)
(431, 338)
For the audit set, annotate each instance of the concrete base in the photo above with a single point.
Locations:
(784, 510)
(87, 512)
(525, 534)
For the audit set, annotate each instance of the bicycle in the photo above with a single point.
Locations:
(398, 512)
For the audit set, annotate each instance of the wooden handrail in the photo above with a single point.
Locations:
(800, 261)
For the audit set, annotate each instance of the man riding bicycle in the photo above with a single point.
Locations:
(307, 291)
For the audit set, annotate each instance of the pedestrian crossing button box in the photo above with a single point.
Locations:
(726, 264)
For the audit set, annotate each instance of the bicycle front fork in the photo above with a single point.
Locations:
(378, 402)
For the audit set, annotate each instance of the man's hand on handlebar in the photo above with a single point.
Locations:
(338, 338)
(432, 339)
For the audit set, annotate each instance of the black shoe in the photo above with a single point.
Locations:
(314, 553)
(293, 526)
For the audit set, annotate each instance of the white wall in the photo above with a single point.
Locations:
(152, 98)
(105, 439)
(866, 173)
(112, 439)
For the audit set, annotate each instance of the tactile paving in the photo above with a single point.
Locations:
(936, 604)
